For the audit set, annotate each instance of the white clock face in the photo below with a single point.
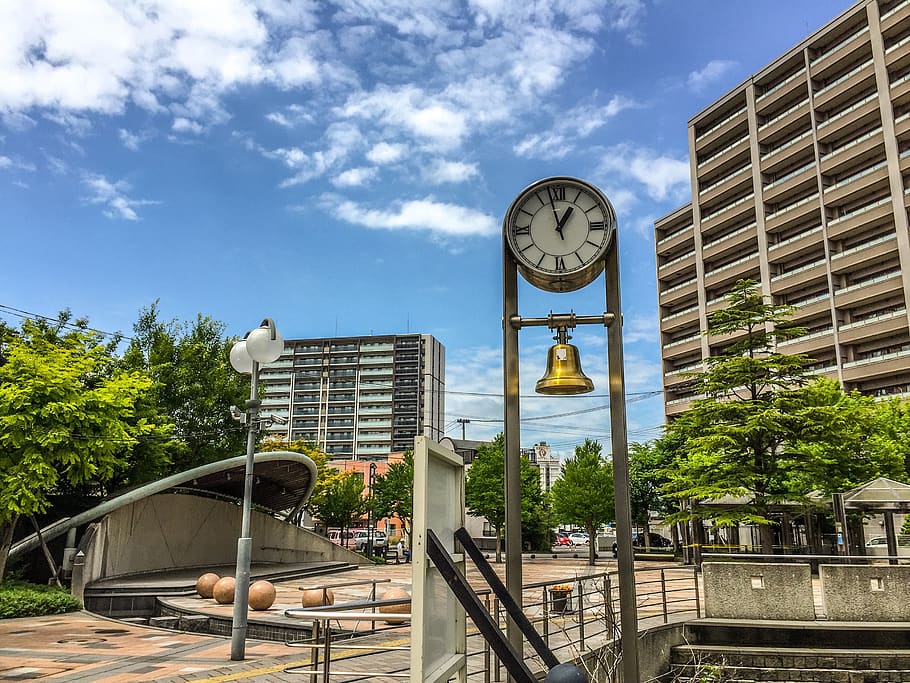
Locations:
(560, 228)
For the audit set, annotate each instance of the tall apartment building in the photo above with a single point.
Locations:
(358, 397)
(800, 181)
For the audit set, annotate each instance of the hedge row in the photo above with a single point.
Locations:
(19, 599)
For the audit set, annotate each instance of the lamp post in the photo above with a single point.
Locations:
(261, 345)
(370, 512)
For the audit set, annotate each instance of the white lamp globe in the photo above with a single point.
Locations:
(241, 360)
(262, 347)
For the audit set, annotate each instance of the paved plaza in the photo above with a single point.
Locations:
(88, 648)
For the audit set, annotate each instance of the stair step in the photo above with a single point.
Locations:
(705, 671)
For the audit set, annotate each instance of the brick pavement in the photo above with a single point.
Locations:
(88, 648)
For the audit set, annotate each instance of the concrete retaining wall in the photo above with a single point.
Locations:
(866, 593)
(169, 531)
(745, 590)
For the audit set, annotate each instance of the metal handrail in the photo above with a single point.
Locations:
(583, 622)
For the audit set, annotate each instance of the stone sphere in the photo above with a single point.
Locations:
(223, 592)
(404, 608)
(205, 584)
(317, 597)
(262, 595)
(566, 673)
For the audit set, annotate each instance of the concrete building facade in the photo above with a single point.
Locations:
(358, 398)
(800, 181)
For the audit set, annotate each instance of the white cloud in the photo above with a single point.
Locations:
(663, 176)
(385, 153)
(571, 127)
(130, 140)
(75, 125)
(9, 163)
(710, 73)
(292, 116)
(183, 125)
(354, 177)
(5, 162)
(429, 215)
(113, 196)
(442, 171)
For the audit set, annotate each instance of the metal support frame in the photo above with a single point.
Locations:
(512, 323)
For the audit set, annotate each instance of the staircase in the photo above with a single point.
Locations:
(718, 650)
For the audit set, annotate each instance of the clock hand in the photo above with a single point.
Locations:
(561, 223)
(550, 196)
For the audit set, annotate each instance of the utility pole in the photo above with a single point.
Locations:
(462, 421)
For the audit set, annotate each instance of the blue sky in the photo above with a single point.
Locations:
(344, 167)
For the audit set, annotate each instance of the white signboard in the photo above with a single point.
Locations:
(438, 626)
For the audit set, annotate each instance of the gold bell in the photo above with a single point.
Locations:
(563, 376)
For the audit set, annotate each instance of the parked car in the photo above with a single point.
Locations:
(656, 541)
(578, 538)
(347, 540)
(362, 538)
(562, 538)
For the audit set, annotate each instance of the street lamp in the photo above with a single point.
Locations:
(261, 345)
(370, 512)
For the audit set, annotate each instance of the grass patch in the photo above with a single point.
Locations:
(21, 599)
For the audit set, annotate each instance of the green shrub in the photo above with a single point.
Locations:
(20, 599)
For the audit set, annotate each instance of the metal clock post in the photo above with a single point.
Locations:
(560, 234)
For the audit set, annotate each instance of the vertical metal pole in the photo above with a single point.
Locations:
(511, 440)
(628, 617)
(245, 543)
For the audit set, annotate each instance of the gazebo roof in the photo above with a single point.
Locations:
(879, 495)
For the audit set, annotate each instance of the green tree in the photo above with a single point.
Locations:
(763, 435)
(393, 492)
(326, 476)
(583, 495)
(195, 385)
(64, 419)
(647, 462)
(484, 489)
(339, 503)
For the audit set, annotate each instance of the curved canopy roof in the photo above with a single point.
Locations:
(283, 482)
(879, 494)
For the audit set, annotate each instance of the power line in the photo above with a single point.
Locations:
(29, 315)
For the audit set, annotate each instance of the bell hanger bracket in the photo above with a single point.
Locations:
(555, 321)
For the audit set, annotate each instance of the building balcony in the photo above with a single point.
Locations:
(797, 278)
(373, 436)
(858, 256)
(271, 388)
(857, 115)
(879, 286)
(723, 128)
(900, 90)
(897, 15)
(677, 292)
(872, 180)
(792, 246)
(718, 218)
(792, 119)
(901, 131)
(890, 324)
(678, 265)
(844, 86)
(376, 360)
(877, 366)
(793, 213)
(732, 157)
(865, 217)
(783, 154)
(677, 380)
(783, 89)
(840, 52)
(869, 145)
(267, 376)
(730, 185)
(375, 372)
(811, 308)
(713, 247)
(796, 181)
(809, 343)
(897, 56)
(677, 239)
(678, 319)
(678, 406)
(682, 347)
(731, 272)
(374, 410)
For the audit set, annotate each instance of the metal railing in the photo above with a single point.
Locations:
(577, 617)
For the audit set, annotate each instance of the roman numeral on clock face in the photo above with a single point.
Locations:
(560, 263)
(526, 230)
